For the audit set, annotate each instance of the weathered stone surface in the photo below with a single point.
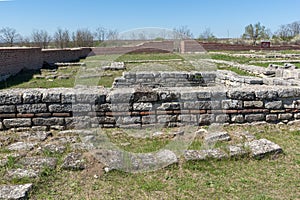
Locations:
(253, 104)
(48, 121)
(60, 108)
(204, 154)
(10, 97)
(19, 122)
(216, 137)
(32, 108)
(285, 116)
(232, 104)
(237, 151)
(244, 135)
(241, 95)
(33, 96)
(15, 192)
(135, 162)
(266, 94)
(7, 109)
(261, 148)
(52, 96)
(55, 148)
(271, 118)
(34, 135)
(38, 162)
(237, 118)
(21, 146)
(169, 106)
(129, 120)
(222, 118)
(73, 161)
(206, 119)
(21, 173)
(142, 106)
(79, 107)
(254, 117)
(82, 146)
(273, 105)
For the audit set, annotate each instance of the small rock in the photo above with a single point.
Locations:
(22, 173)
(21, 146)
(73, 161)
(204, 154)
(38, 162)
(201, 132)
(15, 191)
(157, 134)
(261, 148)
(53, 148)
(216, 137)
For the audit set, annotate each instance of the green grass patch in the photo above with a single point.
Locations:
(147, 56)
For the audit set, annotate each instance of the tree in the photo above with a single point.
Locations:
(61, 38)
(101, 34)
(83, 38)
(255, 32)
(41, 38)
(182, 32)
(207, 35)
(9, 35)
(112, 34)
(288, 31)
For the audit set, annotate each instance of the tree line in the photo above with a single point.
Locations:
(83, 37)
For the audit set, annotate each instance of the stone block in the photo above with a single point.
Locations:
(48, 121)
(32, 108)
(51, 97)
(206, 119)
(80, 107)
(18, 122)
(60, 108)
(15, 191)
(232, 104)
(241, 95)
(141, 106)
(261, 148)
(253, 104)
(129, 120)
(222, 118)
(271, 118)
(9, 97)
(254, 117)
(285, 116)
(266, 94)
(273, 105)
(7, 109)
(32, 96)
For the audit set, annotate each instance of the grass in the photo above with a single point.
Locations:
(147, 56)
(269, 178)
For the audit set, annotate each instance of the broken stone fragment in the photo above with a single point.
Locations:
(204, 154)
(73, 161)
(263, 147)
(216, 137)
(15, 191)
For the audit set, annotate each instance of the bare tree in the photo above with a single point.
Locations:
(207, 35)
(182, 32)
(9, 35)
(100, 34)
(112, 34)
(83, 38)
(255, 32)
(41, 38)
(288, 31)
(25, 41)
(62, 38)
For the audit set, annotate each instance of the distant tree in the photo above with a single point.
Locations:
(207, 35)
(255, 32)
(182, 32)
(25, 41)
(83, 38)
(9, 36)
(112, 34)
(101, 34)
(288, 31)
(41, 38)
(62, 38)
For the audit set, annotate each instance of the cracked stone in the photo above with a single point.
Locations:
(38, 162)
(22, 173)
(73, 161)
(21, 146)
(204, 154)
(53, 148)
(236, 151)
(263, 147)
(35, 136)
(15, 191)
(216, 137)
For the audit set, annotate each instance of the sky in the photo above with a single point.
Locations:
(223, 17)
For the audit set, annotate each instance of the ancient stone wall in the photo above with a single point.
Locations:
(143, 107)
(13, 60)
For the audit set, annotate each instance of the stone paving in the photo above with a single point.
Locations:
(26, 154)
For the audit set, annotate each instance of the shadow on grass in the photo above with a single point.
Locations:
(23, 76)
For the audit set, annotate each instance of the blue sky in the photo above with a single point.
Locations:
(221, 16)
